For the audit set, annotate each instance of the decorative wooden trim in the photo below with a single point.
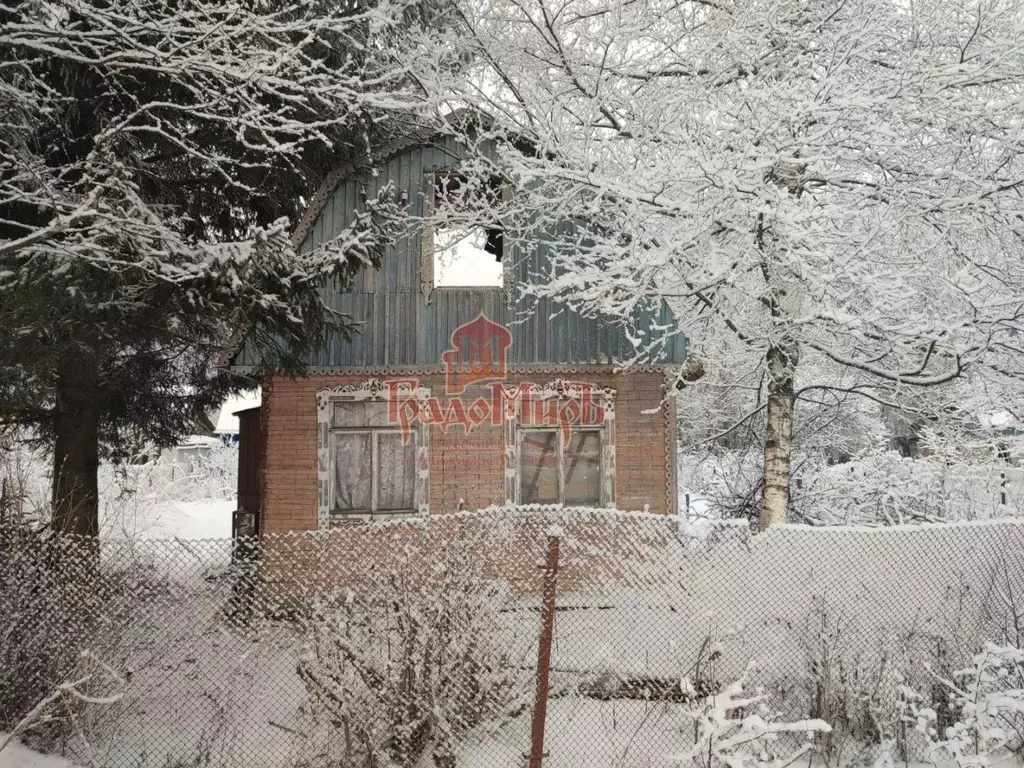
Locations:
(523, 369)
(427, 237)
(671, 443)
(423, 137)
(512, 453)
(561, 389)
(608, 464)
(575, 389)
(374, 390)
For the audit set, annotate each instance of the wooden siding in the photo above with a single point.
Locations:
(398, 327)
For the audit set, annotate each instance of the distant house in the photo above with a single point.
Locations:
(226, 425)
(459, 392)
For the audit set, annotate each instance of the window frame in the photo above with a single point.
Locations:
(560, 448)
(374, 510)
(514, 431)
(371, 390)
(427, 243)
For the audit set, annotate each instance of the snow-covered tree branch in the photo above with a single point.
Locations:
(151, 159)
(821, 183)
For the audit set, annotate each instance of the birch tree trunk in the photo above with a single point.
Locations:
(778, 444)
(76, 448)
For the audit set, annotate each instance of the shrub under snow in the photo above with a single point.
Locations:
(412, 660)
(883, 488)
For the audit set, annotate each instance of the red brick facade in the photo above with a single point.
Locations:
(466, 468)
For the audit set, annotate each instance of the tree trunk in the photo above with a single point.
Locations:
(76, 449)
(778, 442)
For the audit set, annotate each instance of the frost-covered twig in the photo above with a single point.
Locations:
(988, 696)
(734, 728)
(71, 688)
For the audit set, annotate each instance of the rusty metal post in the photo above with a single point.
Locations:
(547, 626)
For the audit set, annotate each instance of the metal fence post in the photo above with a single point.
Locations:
(547, 624)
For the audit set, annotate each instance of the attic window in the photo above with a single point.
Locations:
(463, 243)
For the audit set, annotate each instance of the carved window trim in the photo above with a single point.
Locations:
(427, 236)
(560, 389)
(370, 390)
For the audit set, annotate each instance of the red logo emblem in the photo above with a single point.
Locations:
(479, 352)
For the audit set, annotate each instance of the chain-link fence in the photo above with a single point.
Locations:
(416, 643)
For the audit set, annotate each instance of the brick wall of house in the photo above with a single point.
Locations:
(463, 468)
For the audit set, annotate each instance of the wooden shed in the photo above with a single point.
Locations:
(246, 521)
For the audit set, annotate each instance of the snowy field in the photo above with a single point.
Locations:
(188, 492)
(15, 755)
(203, 519)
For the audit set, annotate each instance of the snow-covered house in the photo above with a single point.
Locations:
(460, 391)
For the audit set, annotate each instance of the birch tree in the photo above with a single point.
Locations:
(151, 157)
(834, 185)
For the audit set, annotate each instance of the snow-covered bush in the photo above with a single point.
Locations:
(209, 472)
(735, 728)
(33, 651)
(24, 485)
(890, 489)
(876, 488)
(132, 494)
(730, 481)
(847, 684)
(411, 659)
(987, 699)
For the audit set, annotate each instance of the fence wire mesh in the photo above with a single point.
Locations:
(416, 643)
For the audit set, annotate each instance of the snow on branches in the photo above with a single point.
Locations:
(151, 157)
(111, 107)
(986, 709)
(822, 181)
(412, 657)
(735, 729)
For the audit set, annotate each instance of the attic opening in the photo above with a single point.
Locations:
(468, 243)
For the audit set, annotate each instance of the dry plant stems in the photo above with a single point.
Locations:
(735, 728)
(988, 700)
(1004, 603)
(69, 690)
(846, 686)
(412, 658)
(872, 487)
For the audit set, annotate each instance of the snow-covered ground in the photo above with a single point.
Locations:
(664, 592)
(187, 492)
(585, 732)
(16, 755)
(203, 519)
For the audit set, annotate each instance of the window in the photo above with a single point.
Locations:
(555, 471)
(463, 246)
(560, 444)
(368, 466)
(373, 468)
(460, 259)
